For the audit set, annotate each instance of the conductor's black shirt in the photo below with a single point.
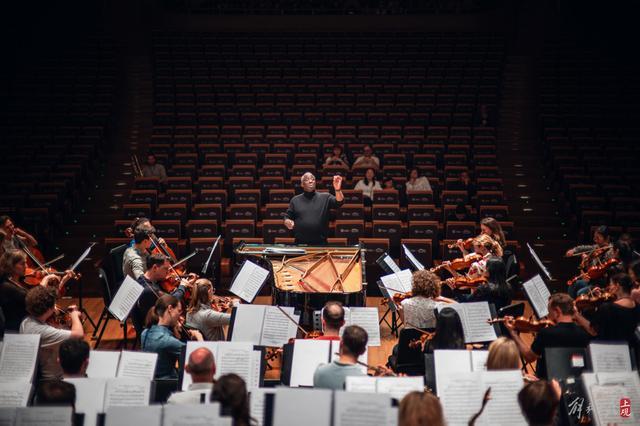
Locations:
(310, 214)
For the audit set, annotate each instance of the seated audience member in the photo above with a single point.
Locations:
(73, 356)
(332, 320)
(367, 159)
(418, 311)
(460, 214)
(231, 392)
(503, 355)
(202, 316)
(388, 183)
(159, 336)
(56, 393)
(201, 367)
(368, 185)
(352, 344)
(153, 169)
(134, 260)
(565, 333)
(496, 290)
(615, 320)
(539, 402)
(415, 182)
(337, 157)
(463, 183)
(157, 271)
(420, 409)
(449, 333)
(41, 306)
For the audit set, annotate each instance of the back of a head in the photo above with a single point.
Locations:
(201, 363)
(420, 409)
(231, 392)
(562, 301)
(73, 353)
(497, 271)
(503, 355)
(333, 315)
(354, 340)
(56, 392)
(538, 402)
(449, 332)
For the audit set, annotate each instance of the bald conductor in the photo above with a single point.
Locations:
(308, 213)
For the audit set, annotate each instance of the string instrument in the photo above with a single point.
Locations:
(379, 371)
(61, 318)
(592, 301)
(420, 342)
(33, 277)
(466, 244)
(588, 256)
(397, 298)
(34, 255)
(459, 263)
(462, 282)
(524, 325)
(221, 304)
(594, 272)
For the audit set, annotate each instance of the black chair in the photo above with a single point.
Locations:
(161, 389)
(105, 316)
(115, 256)
(409, 360)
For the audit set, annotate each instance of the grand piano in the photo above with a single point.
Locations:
(307, 277)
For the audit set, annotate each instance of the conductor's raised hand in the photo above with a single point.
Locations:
(337, 182)
(289, 224)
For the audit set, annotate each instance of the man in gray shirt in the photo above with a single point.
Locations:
(134, 260)
(152, 168)
(352, 345)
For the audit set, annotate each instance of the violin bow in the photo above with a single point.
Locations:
(213, 249)
(305, 332)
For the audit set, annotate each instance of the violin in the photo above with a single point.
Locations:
(524, 325)
(592, 301)
(34, 255)
(459, 263)
(33, 277)
(587, 257)
(466, 244)
(462, 282)
(221, 304)
(594, 272)
(420, 342)
(397, 298)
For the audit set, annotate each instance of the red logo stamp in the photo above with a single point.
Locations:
(625, 407)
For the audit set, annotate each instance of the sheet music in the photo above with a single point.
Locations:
(194, 415)
(609, 357)
(247, 323)
(606, 391)
(539, 262)
(292, 405)
(118, 416)
(103, 364)
(391, 264)
(89, 398)
(479, 360)
(14, 394)
(362, 384)
(503, 407)
(127, 393)
(412, 259)
(18, 357)
(398, 387)
(126, 297)
(360, 409)
(50, 416)
(236, 357)
(538, 294)
(307, 356)
(398, 281)
(7, 416)
(366, 318)
(192, 346)
(248, 281)
(335, 355)
(137, 365)
(82, 257)
(257, 402)
(474, 318)
(277, 329)
(451, 361)
(460, 395)
(256, 374)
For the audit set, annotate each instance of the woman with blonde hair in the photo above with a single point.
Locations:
(420, 409)
(503, 355)
(201, 315)
(486, 247)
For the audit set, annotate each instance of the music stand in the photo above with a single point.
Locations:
(537, 260)
(81, 307)
(391, 309)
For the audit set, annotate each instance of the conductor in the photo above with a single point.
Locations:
(308, 213)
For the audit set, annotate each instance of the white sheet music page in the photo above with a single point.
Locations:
(14, 394)
(460, 395)
(257, 401)
(388, 260)
(613, 397)
(137, 365)
(7, 416)
(360, 409)
(399, 282)
(479, 360)
(126, 297)
(121, 392)
(609, 358)
(366, 318)
(237, 358)
(311, 407)
(412, 259)
(307, 356)
(538, 294)
(192, 346)
(474, 318)
(503, 408)
(148, 416)
(362, 384)
(18, 357)
(89, 398)
(248, 281)
(248, 323)
(50, 416)
(103, 364)
(277, 329)
(194, 415)
(398, 387)
(447, 361)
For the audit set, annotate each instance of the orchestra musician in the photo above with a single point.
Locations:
(12, 233)
(418, 310)
(634, 273)
(134, 260)
(592, 255)
(352, 344)
(201, 366)
(565, 332)
(332, 320)
(486, 247)
(202, 315)
(496, 290)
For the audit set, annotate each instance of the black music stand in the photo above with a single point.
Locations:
(391, 309)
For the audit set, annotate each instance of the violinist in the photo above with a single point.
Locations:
(491, 227)
(634, 273)
(134, 260)
(418, 311)
(158, 337)
(496, 290)
(592, 255)
(157, 270)
(618, 254)
(202, 315)
(332, 320)
(13, 233)
(449, 333)
(41, 306)
(565, 333)
(615, 320)
(486, 247)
